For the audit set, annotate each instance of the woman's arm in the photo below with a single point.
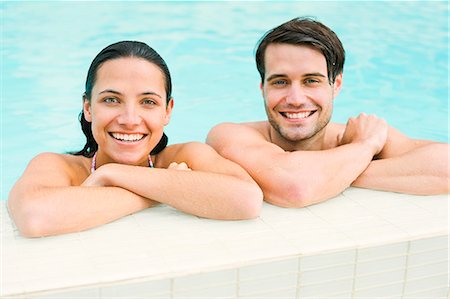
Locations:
(215, 188)
(46, 201)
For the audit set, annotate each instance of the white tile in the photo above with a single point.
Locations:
(319, 241)
(260, 246)
(428, 257)
(440, 293)
(194, 259)
(11, 288)
(381, 252)
(327, 274)
(327, 288)
(381, 278)
(384, 265)
(139, 289)
(205, 280)
(373, 235)
(263, 285)
(327, 260)
(390, 291)
(90, 293)
(131, 269)
(223, 291)
(429, 244)
(263, 270)
(423, 227)
(276, 294)
(427, 270)
(426, 283)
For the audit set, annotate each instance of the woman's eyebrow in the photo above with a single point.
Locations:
(118, 93)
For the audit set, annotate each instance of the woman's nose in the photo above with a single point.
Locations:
(129, 117)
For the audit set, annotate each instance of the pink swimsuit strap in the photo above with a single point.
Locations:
(94, 162)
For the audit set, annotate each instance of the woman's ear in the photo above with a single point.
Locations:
(87, 108)
(168, 112)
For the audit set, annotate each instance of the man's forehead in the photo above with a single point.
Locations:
(285, 59)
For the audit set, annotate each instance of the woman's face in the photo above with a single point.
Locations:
(128, 110)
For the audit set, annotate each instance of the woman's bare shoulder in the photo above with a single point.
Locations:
(77, 168)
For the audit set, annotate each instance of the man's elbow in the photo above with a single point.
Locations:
(293, 196)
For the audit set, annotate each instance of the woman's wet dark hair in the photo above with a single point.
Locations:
(120, 50)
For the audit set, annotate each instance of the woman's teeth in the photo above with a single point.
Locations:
(127, 137)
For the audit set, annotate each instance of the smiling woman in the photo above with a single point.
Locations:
(126, 105)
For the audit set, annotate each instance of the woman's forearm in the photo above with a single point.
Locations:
(56, 210)
(205, 194)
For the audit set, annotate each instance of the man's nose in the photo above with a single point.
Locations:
(296, 95)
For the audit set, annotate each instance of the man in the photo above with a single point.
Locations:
(298, 157)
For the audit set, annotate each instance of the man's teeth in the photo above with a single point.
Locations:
(128, 137)
(298, 115)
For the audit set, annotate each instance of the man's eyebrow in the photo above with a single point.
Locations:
(145, 93)
(275, 76)
(314, 75)
(271, 77)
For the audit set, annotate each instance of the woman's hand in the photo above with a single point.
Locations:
(178, 166)
(98, 178)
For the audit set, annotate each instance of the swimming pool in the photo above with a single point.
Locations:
(397, 65)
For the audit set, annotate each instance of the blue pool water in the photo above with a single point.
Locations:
(397, 64)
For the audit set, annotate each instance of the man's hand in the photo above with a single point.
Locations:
(366, 129)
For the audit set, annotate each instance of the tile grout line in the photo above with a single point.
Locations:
(237, 282)
(408, 253)
(299, 277)
(354, 272)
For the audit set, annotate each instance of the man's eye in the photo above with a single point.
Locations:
(279, 82)
(148, 102)
(311, 81)
(111, 100)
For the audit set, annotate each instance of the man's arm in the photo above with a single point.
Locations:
(409, 166)
(300, 178)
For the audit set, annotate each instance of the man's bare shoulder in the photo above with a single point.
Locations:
(245, 129)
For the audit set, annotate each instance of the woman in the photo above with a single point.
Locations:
(125, 165)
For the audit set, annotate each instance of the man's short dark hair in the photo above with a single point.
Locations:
(304, 32)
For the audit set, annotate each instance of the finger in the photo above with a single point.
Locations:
(173, 165)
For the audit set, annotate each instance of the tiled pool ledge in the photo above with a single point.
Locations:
(361, 244)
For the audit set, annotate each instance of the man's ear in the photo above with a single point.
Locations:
(168, 112)
(87, 109)
(337, 85)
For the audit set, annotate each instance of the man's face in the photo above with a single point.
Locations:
(297, 93)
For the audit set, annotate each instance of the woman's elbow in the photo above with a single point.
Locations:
(28, 219)
(250, 202)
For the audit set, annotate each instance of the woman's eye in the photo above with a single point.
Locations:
(111, 100)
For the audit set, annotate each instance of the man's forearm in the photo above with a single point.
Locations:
(422, 171)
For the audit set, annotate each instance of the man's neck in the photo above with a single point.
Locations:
(316, 142)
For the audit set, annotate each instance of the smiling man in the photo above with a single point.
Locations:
(298, 157)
